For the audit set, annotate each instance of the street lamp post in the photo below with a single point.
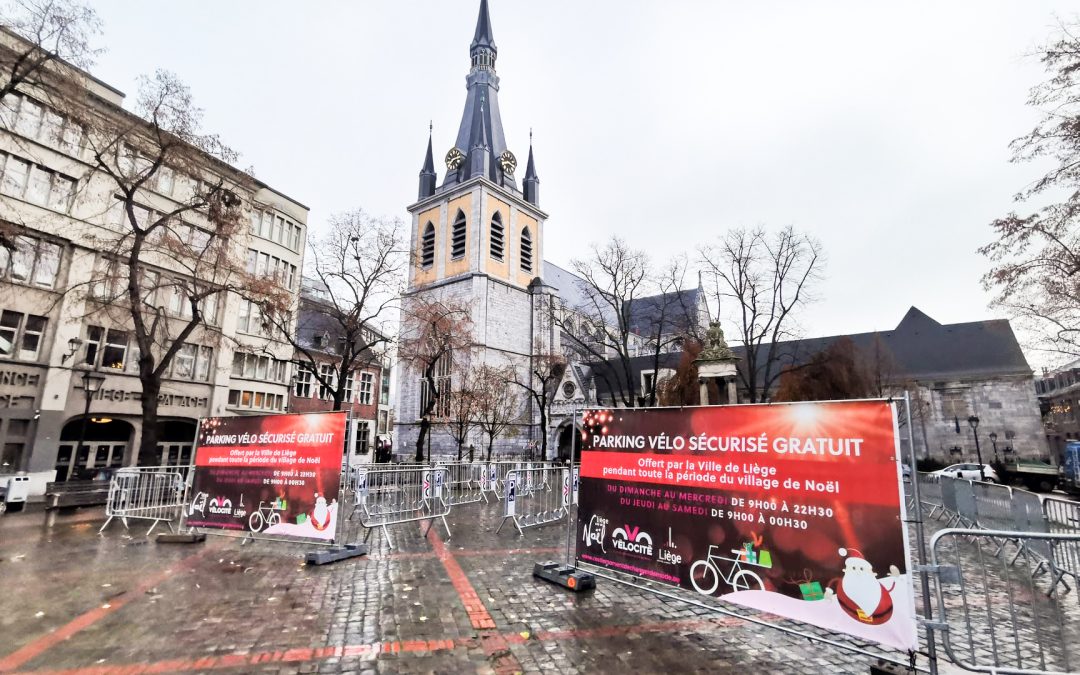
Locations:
(91, 385)
(973, 421)
(993, 440)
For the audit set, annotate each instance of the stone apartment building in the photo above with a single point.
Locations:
(55, 327)
(367, 389)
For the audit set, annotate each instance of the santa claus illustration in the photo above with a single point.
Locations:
(862, 595)
(320, 515)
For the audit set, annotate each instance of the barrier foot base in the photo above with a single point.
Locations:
(180, 538)
(567, 577)
(329, 555)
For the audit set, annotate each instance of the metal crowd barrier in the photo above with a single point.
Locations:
(996, 619)
(1062, 515)
(392, 496)
(465, 482)
(503, 468)
(152, 493)
(536, 497)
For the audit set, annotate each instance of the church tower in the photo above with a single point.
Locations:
(477, 239)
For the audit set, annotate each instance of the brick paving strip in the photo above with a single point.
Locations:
(374, 649)
(46, 642)
(495, 645)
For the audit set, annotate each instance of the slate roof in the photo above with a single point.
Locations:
(924, 349)
(480, 135)
(920, 347)
(609, 375)
(681, 312)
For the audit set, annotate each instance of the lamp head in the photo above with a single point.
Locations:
(973, 421)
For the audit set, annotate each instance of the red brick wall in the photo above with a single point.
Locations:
(314, 404)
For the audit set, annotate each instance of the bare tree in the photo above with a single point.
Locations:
(767, 278)
(545, 372)
(497, 405)
(1035, 258)
(38, 41)
(432, 332)
(665, 321)
(53, 31)
(461, 405)
(359, 265)
(598, 329)
(167, 271)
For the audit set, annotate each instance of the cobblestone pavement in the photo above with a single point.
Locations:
(75, 602)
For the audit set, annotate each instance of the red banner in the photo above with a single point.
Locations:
(793, 509)
(275, 475)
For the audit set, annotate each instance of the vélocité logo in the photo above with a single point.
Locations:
(220, 505)
(632, 540)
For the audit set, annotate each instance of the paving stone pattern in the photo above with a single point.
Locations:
(76, 602)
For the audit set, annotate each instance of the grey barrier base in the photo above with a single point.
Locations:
(565, 576)
(179, 538)
(329, 555)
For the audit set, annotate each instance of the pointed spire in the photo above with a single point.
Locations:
(530, 187)
(483, 36)
(427, 174)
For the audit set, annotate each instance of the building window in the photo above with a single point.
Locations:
(457, 241)
(21, 335)
(326, 370)
(427, 247)
(302, 388)
(526, 250)
(349, 388)
(33, 261)
(384, 387)
(363, 438)
(115, 351)
(498, 244)
(183, 365)
(442, 387)
(37, 184)
(367, 387)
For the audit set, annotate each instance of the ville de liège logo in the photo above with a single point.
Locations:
(594, 530)
(632, 540)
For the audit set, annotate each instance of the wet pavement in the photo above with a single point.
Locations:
(77, 602)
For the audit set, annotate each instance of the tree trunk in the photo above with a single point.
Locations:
(148, 439)
(425, 429)
(491, 446)
(460, 449)
(339, 399)
(543, 432)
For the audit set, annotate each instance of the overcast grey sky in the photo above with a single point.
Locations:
(881, 128)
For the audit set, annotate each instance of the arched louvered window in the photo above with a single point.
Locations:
(427, 246)
(498, 240)
(526, 251)
(457, 237)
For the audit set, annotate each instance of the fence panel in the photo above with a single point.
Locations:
(464, 482)
(999, 614)
(993, 505)
(536, 497)
(387, 497)
(152, 493)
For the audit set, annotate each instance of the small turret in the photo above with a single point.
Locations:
(531, 185)
(427, 174)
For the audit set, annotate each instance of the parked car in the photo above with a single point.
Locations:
(969, 471)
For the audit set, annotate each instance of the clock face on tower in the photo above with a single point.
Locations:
(454, 158)
(508, 162)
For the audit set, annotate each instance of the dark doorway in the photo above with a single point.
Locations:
(104, 446)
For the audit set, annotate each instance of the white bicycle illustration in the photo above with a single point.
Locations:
(259, 519)
(710, 573)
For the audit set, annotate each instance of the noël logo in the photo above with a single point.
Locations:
(594, 532)
(632, 540)
(220, 505)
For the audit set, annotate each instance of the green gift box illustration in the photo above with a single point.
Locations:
(301, 518)
(764, 558)
(811, 591)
